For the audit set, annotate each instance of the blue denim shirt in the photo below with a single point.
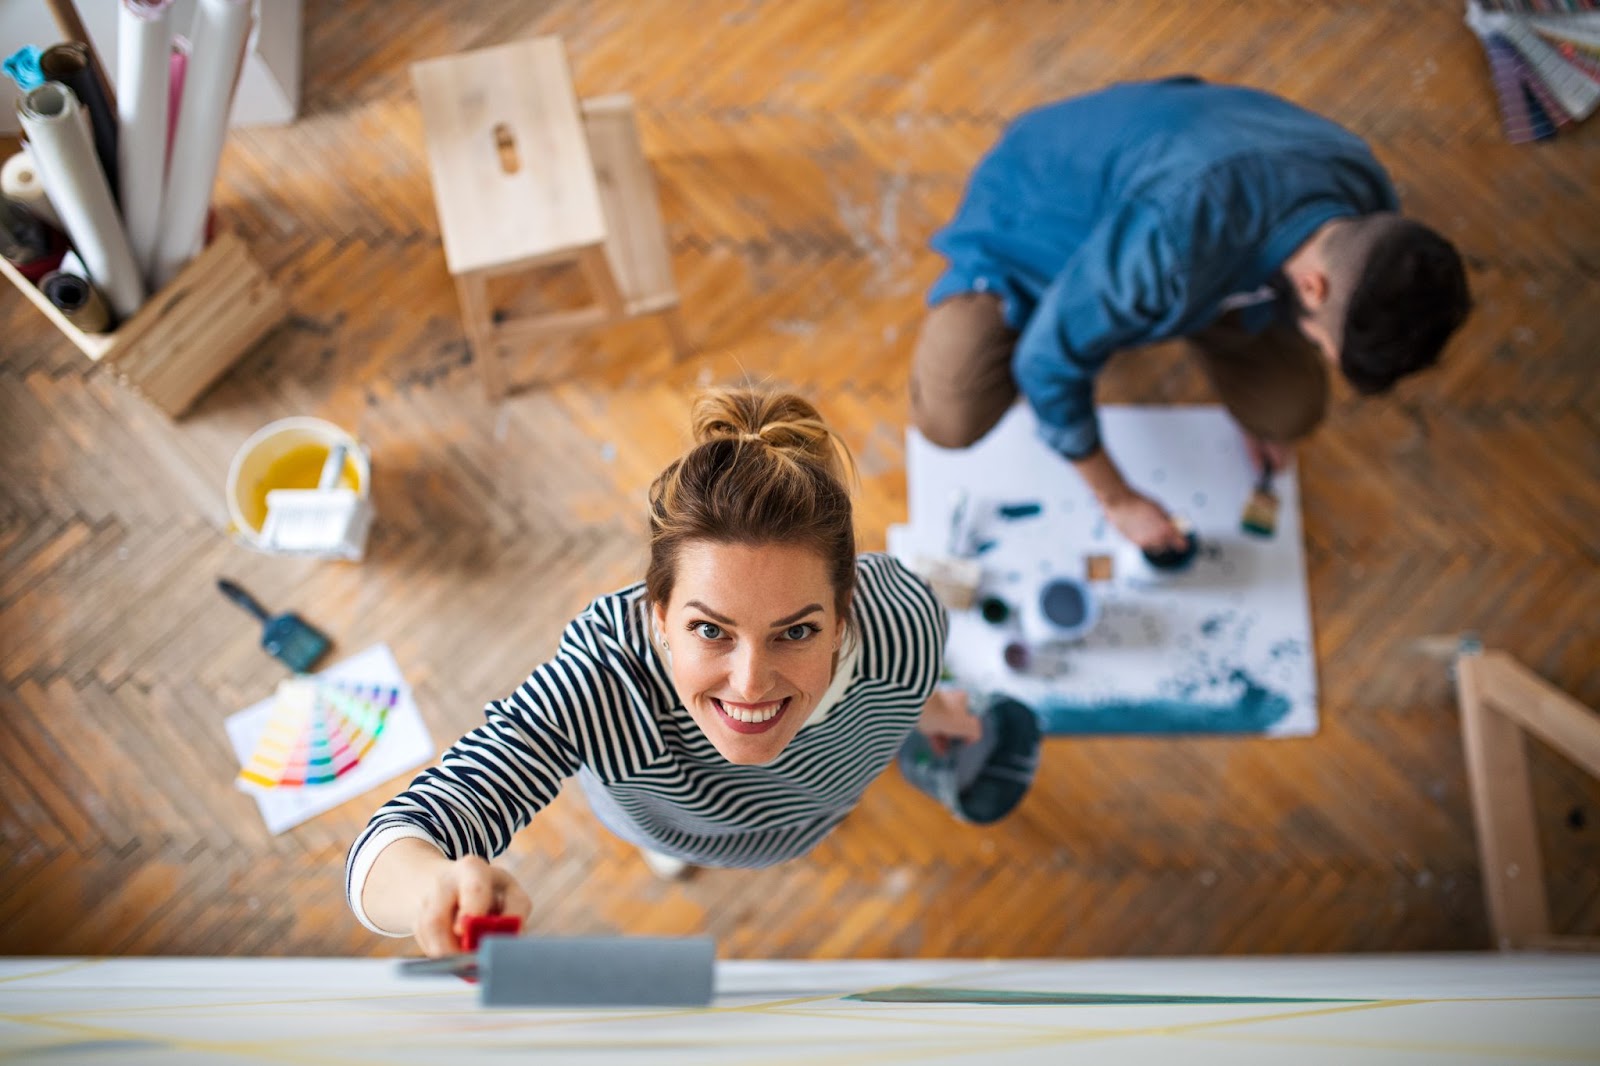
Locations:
(1127, 216)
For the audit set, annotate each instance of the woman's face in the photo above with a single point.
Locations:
(752, 633)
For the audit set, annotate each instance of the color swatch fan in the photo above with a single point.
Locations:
(328, 738)
(318, 730)
(1544, 56)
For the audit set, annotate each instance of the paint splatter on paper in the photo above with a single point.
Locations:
(1223, 646)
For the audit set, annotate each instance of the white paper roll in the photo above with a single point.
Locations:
(221, 28)
(19, 180)
(63, 150)
(144, 43)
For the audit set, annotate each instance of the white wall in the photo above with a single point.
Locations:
(269, 86)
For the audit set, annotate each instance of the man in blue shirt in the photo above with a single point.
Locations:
(1266, 235)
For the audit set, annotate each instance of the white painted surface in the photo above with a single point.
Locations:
(1425, 1009)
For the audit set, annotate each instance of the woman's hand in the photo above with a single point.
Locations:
(412, 886)
(947, 717)
(460, 890)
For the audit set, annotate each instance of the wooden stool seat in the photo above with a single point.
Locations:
(523, 178)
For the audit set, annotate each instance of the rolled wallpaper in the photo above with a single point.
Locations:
(221, 29)
(19, 181)
(70, 65)
(144, 43)
(62, 150)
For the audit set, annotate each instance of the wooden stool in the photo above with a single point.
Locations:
(523, 178)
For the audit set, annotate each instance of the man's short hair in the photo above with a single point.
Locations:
(1409, 297)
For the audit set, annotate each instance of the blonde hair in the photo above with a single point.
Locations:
(765, 469)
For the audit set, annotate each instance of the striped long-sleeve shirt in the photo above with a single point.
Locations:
(605, 709)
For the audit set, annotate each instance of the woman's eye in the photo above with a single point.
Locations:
(799, 632)
(707, 630)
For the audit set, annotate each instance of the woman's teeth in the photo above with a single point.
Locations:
(750, 713)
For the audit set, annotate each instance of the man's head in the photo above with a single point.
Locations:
(1380, 295)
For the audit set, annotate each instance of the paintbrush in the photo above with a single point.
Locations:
(287, 637)
(1260, 515)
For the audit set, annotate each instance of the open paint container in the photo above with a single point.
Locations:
(981, 782)
(1059, 611)
(289, 454)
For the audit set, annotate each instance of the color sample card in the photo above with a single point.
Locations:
(318, 731)
(326, 738)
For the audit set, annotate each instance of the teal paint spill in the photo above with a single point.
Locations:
(1013, 511)
(1256, 709)
(1006, 998)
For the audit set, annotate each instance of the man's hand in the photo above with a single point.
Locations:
(947, 717)
(1136, 516)
(1145, 522)
(1278, 453)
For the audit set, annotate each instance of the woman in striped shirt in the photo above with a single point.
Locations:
(729, 710)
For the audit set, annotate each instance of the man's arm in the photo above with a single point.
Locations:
(1123, 287)
(1135, 515)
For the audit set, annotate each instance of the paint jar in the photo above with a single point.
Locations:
(1066, 609)
(981, 782)
(288, 454)
(994, 610)
(1173, 561)
(1139, 567)
(1017, 655)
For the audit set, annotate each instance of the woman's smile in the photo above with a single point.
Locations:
(750, 717)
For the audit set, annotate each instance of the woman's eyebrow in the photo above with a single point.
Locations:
(787, 620)
(703, 609)
(790, 620)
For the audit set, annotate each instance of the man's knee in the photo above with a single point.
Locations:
(1298, 424)
(1294, 416)
(961, 370)
(953, 423)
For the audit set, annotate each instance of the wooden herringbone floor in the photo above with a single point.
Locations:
(805, 152)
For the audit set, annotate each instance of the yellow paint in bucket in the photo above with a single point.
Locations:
(297, 469)
(288, 454)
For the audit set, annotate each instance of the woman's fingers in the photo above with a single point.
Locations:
(434, 927)
(468, 888)
(475, 890)
(515, 900)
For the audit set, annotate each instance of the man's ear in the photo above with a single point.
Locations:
(1312, 287)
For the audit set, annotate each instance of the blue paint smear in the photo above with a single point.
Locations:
(985, 546)
(115, 1047)
(1256, 709)
(1013, 511)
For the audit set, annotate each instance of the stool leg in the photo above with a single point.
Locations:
(473, 293)
(677, 333)
(597, 268)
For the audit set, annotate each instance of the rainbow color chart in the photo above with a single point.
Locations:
(318, 730)
(323, 740)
